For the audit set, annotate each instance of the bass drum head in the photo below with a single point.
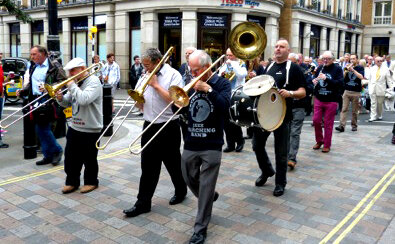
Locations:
(271, 110)
(258, 85)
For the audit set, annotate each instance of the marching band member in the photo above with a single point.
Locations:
(86, 99)
(166, 146)
(290, 81)
(201, 158)
(234, 134)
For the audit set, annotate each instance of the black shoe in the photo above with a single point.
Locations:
(176, 199)
(44, 161)
(262, 180)
(240, 146)
(229, 149)
(354, 129)
(4, 145)
(216, 195)
(278, 190)
(340, 128)
(135, 211)
(198, 238)
(57, 157)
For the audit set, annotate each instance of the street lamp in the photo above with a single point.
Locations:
(53, 35)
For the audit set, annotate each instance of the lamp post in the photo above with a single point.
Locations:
(53, 35)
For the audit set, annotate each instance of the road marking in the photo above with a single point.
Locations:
(58, 168)
(356, 208)
(360, 216)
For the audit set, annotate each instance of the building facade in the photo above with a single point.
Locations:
(126, 28)
(379, 21)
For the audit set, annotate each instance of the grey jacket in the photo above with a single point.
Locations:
(87, 105)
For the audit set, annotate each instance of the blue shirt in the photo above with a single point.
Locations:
(38, 76)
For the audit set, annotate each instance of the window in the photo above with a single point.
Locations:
(38, 33)
(15, 40)
(380, 45)
(37, 3)
(382, 13)
(348, 8)
(316, 5)
(357, 17)
(100, 22)
(329, 6)
(79, 37)
(301, 37)
(340, 9)
(301, 3)
(135, 36)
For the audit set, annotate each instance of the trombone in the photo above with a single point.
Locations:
(137, 96)
(51, 91)
(179, 96)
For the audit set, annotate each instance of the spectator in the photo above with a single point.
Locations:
(135, 72)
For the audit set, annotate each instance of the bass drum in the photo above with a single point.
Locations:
(243, 108)
(271, 110)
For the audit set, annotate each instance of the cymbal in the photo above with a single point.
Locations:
(258, 85)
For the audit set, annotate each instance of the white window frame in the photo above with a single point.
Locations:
(382, 18)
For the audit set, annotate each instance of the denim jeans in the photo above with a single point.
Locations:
(294, 134)
(49, 145)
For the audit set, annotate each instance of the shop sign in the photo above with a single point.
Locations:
(171, 21)
(214, 21)
(239, 3)
(79, 23)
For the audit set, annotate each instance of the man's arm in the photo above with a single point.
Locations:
(240, 70)
(89, 94)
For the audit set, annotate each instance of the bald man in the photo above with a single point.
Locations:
(184, 70)
(290, 81)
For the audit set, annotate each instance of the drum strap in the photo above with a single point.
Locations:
(287, 71)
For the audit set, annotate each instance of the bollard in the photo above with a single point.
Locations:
(107, 108)
(29, 135)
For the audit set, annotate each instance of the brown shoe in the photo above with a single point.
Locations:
(68, 189)
(326, 149)
(291, 164)
(318, 145)
(88, 188)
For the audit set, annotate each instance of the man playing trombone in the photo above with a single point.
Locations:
(166, 146)
(202, 154)
(86, 99)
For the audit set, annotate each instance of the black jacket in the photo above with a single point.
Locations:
(135, 76)
(54, 75)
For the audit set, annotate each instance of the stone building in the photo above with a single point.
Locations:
(125, 28)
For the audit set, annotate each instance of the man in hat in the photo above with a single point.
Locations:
(86, 97)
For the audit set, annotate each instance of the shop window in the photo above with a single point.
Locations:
(100, 22)
(213, 32)
(170, 35)
(315, 36)
(79, 38)
(356, 43)
(135, 36)
(38, 32)
(328, 38)
(15, 40)
(347, 42)
(380, 45)
(382, 12)
(301, 37)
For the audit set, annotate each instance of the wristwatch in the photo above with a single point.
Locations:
(291, 93)
(210, 90)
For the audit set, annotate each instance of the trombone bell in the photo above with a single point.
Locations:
(136, 95)
(179, 96)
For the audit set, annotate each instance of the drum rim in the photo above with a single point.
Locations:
(255, 102)
(284, 111)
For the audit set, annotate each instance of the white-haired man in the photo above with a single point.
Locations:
(86, 99)
(380, 78)
(202, 154)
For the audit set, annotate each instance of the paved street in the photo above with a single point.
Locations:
(346, 195)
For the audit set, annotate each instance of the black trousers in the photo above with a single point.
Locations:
(393, 130)
(81, 150)
(164, 148)
(281, 141)
(233, 133)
